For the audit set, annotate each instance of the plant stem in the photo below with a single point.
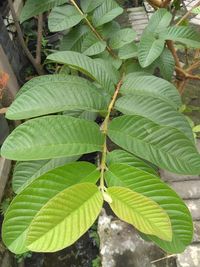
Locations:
(39, 39)
(108, 48)
(105, 132)
(187, 14)
(37, 67)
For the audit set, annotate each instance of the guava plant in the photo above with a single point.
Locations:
(104, 74)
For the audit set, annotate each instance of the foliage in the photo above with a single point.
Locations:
(58, 199)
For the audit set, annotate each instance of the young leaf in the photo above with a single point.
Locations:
(74, 37)
(92, 46)
(166, 64)
(182, 34)
(122, 37)
(156, 110)
(89, 5)
(159, 20)
(108, 28)
(65, 218)
(54, 93)
(128, 51)
(196, 10)
(35, 7)
(52, 137)
(31, 200)
(164, 146)
(152, 187)
(86, 65)
(106, 12)
(121, 156)
(62, 18)
(150, 48)
(148, 85)
(146, 215)
(27, 171)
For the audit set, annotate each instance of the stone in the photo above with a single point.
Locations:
(173, 177)
(121, 246)
(190, 257)
(196, 237)
(187, 189)
(194, 207)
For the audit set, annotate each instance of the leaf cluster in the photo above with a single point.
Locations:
(59, 198)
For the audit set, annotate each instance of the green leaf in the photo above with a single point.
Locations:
(65, 218)
(27, 171)
(156, 110)
(109, 68)
(92, 46)
(108, 28)
(52, 137)
(148, 85)
(128, 51)
(122, 37)
(89, 5)
(74, 37)
(64, 17)
(164, 146)
(87, 115)
(152, 187)
(196, 10)
(35, 7)
(86, 65)
(106, 12)
(150, 48)
(159, 20)
(196, 129)
(30, 201)
(54, 93)
(143, 213)
(166, 64)
(121, 156)
(182, 34)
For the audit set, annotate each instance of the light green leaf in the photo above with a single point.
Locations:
(196, 129)
(54, 93)
(26, 205)
(106, 12)
(152, 187)
(149, 85)
(86, 65)
(143, 213)
(164, 146)
(27, 171)
(150, 48)
(35, 7)
(89, 5)
(128, 51)
(159, 20)
(156, 110)
(121, 38)
(71, 40)
(182, 34)
(62, 18)
(52, 137)
(121, 156)
(196, 10)
(166, 64)
(92, 46)
(65, 218)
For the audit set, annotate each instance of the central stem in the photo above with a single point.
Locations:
(105, 132)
